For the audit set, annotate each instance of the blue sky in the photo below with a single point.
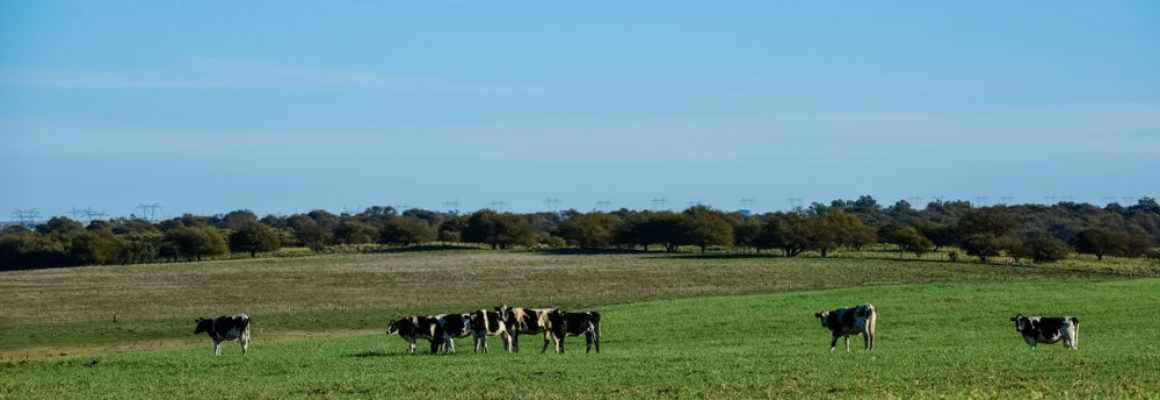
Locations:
(278, 107)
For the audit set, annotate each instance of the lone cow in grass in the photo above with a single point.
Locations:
(844, 322)
(1048, 330)
(225, 328)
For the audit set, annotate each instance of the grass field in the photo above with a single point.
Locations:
(71, 311)
(934, 340)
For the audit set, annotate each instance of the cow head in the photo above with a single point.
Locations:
(503, 312)
(392, 328)
(1021, 323)
(824, 316)
(203, 325)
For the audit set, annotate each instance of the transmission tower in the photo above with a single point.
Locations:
(496, 205)
(603, 205)
(452, 206)
(27, 217)
(982, 200)
(794, 202)
(1050, 199)
(552, 203)
(149, 211)
(1109, 199)
(1006, 199)
(747, 203)
(914, 200)
(660, 203)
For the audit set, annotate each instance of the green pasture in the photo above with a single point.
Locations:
(935, 340)
(92, 310)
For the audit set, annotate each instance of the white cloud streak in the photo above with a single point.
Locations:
(239, 74)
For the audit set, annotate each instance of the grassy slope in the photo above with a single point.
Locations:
(934, 339)
(70, 310)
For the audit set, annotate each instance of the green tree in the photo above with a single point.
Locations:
(906, 238)
(498, 230)
(60, 226)
(354, 232)
(941, 235)
(745, 232)
(1041, 249)
(451, 230)
(707, 227)
(1100, 242)
(235, 220)
(982, 245)
(195, 242)
(592, 230)
(406, 231)
(785, 231)
(254, 237)
(93, 247)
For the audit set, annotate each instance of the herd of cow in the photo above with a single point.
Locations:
(506, 322)
(555, 324)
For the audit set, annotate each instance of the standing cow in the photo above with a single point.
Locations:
(561, 324)
(486, 323)
(452, 326)
(844, 322)
(224, 328)
(524, 321)
(415, 327)
(1048, 330)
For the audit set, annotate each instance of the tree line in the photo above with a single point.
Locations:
(1033, 232)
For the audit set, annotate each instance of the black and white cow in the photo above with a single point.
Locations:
(486, 323)
(524, 321)
(1048, 330)
(224, 328)
(417, 327)
(561, 324)
(452, 326)
(844, 322)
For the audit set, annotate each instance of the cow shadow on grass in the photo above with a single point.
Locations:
(377, 353)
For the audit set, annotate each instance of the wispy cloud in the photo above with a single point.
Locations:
(243, 74)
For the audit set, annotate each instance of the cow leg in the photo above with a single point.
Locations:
(217, 348)
(1030, 341)
(865, 340)
(847, 339)
(545, 349)
(411, 344)
(507, 341)
(596, 340)
(833, 343)
(242, 340)
(588, 339)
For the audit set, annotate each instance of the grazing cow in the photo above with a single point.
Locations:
(1048, 330)
(417, 327)
(488, 323)
(524, 321)
(844, 322)
(226, 327)
(453, 326)
(562, 324)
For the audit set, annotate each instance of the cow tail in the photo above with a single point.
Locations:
(245, 331)
(872, 319)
